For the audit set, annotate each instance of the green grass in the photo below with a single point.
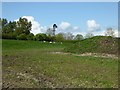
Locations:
(32, 64)
(17, 44)
(97, 44)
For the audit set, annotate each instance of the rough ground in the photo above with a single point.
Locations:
(32, 64)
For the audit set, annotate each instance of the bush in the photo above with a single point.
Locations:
(59, 37)
(22, 37)
(30, 36)
(40, 37)
(8, 36)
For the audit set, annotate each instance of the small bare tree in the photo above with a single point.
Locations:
(49, 31)
(69, 36)
(110, 32)
(89, 35)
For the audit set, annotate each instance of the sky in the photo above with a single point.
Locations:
(60, 0)
(74, 17)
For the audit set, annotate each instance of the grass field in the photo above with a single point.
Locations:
(34, 64)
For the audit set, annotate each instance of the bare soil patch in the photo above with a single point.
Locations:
(104, 55)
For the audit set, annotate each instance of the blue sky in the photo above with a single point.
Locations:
(85, 16)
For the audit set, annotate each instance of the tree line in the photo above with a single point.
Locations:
(16, 30)
(20, 30)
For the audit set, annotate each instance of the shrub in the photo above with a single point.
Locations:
(40, 37)
(8, 36)
(30, 36)
(22, 37)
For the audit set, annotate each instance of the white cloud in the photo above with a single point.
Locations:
(117, 33)
(102, 33)
(67, 27)
(36, 28)
(76, 28)
(64, 25)
(99, 33)
(92, 25)
(82, 33)
(43, 29)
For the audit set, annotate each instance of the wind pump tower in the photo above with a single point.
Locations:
(54, 28)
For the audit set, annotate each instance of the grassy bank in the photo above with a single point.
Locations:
(97, 44)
